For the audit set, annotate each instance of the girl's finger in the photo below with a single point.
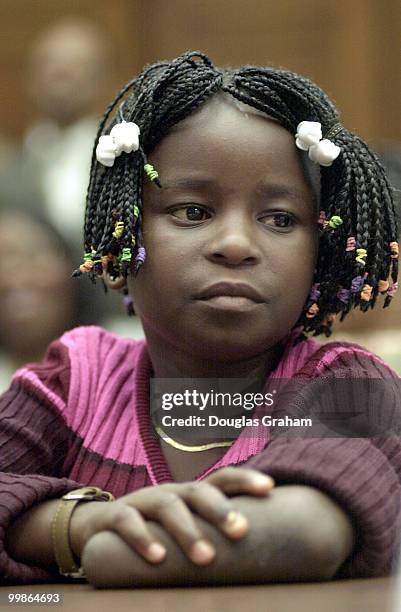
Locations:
(212, 505)
(241, 480)
(176, 518)
(128, 523)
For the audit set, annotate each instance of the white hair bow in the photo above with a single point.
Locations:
(124, 136)
(309, 138)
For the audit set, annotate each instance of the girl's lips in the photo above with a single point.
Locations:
(232, 290)
(230, 303)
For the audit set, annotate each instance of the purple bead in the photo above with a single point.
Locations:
(141, 255)
(127, 300)
(392, 289)
(314, 293)
(344, 295)
(356, 284)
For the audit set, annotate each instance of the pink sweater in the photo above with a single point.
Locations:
(82, 417)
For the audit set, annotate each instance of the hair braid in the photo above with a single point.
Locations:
(128, 214)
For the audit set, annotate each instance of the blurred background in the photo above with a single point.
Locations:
(61, 61)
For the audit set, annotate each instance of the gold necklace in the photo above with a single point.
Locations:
(186, 447)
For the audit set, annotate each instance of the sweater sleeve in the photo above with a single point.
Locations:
(34, 440)
(359, 468)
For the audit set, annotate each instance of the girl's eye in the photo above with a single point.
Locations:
(191, 213)
(280, 220)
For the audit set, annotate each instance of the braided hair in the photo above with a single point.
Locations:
(357, 259)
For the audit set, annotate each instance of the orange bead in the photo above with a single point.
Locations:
(86, 267)
(105, 260)
(366, 293)
(383, 285)
(312, 311)
(394, 250)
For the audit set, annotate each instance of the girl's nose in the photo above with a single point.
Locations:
(233, 242)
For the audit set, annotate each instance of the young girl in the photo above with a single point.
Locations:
(242, 218)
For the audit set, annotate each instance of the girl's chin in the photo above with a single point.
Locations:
(200, 341)
(230, 350)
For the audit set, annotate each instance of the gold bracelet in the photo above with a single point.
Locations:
(65, 558)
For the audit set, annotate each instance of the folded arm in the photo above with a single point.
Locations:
(295, 533)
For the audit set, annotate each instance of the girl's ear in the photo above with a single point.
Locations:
(114, 283)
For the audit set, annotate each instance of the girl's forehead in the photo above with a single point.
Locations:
(223, 118)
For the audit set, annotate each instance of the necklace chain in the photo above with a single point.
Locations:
(187, 447)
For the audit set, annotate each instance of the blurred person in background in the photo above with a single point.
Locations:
(38, 300)
(65, 75)
(64, 80)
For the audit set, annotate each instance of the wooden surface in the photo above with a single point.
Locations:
(371, 595)
(350, 47)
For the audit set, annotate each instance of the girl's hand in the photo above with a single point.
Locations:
(172, 505)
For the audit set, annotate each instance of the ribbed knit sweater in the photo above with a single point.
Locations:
(81, 417)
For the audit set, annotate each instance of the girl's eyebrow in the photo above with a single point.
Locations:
(276, 190)
(264, 189)
(188, 182)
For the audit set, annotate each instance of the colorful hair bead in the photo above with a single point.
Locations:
(86, 266)
(129, 305)
(366, 293)
(105, 260)
(335, 222)
(125, 256)
(392, 290)
(314, 292)
(140, 258)
(344, 295)
(141, 255)
(356, 284)
(394, 250)
(152, 174)
(136, 211)
(351, 244)
(312, 311)
(308, 334)
(322, 218)
(118, 230)
(361, 255)
(128, 302)
(383, 285)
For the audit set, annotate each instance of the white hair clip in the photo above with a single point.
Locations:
(124, 136)
(309, 138)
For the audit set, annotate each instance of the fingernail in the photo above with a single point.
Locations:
(260, 480)
(235, 522)
(155, 552)
(202, 552)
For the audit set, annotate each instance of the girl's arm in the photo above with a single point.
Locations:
(33, 442)
(296, 533)
(293, 533)
(28, 538)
